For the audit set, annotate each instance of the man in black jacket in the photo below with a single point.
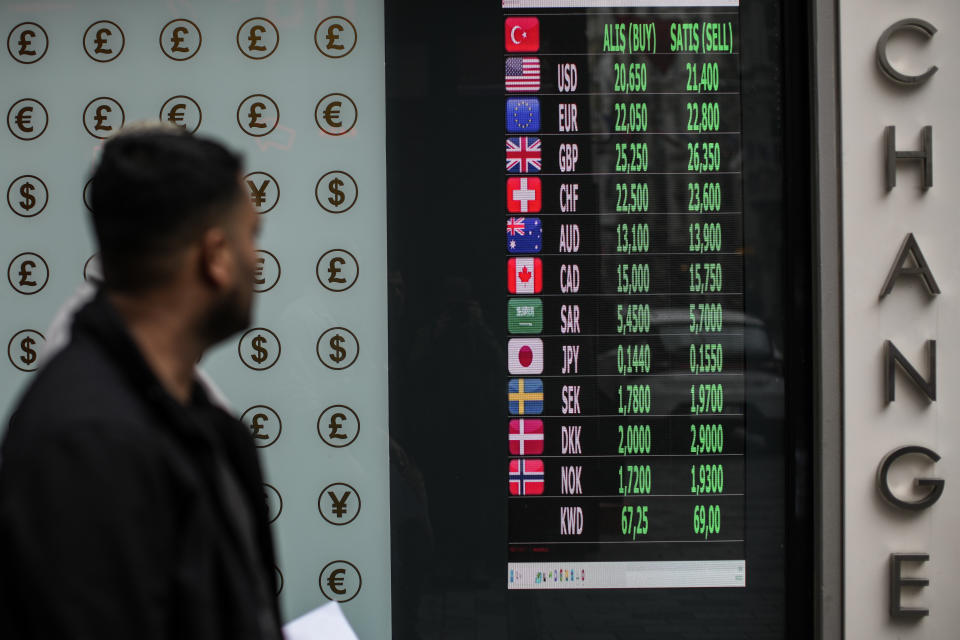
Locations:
(130, 506)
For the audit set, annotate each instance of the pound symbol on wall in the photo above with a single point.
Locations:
(257, 38)
(257, 426)
(177, 40)
(103, 112)
(180, 39)
(102, 116)
(334, 270)
(101, 39)
(335, 37)
(256, 110)
(338, 270)
(258, 115)
(26, 270)
(28, 273)
(264, 424)
(338, 426)
(26, 43)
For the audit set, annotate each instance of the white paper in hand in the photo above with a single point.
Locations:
(323, 623)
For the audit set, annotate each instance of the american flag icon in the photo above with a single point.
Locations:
(522, 74)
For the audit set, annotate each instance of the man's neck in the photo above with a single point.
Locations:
(163, 332)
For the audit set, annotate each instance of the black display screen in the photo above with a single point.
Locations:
(602, 216)
(625, 318)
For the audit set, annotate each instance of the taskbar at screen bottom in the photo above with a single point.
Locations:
(674, 574)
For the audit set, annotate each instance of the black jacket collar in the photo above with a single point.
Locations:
(100, 321)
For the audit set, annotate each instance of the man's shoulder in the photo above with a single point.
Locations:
(80, 385)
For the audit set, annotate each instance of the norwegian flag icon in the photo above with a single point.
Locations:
(526, 477)
(524, 155)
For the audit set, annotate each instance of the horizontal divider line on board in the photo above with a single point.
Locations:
(558, 542)
(694, 456)
(644, 416)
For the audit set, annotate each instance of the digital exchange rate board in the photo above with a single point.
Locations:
(625, 323)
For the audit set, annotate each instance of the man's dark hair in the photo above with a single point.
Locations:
(153, 193)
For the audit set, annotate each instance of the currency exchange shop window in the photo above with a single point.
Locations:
(588, 334)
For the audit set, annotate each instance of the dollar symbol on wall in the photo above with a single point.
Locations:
(26, 192)
(338, 196)
(29, 355)
(339, 353)
(261, 352)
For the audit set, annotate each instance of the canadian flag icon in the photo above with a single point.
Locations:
(524, 275)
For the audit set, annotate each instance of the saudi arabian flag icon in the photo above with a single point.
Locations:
(525, 315)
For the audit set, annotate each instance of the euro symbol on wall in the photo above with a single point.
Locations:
(335, 581)
(258, 194)
(26, 39)
(101, 39)
(335, 264)
(101, 117)
(335, 424)
(333, 36)
(259, 279)
(254, 37)
(257, 426)
(176, 115)
(256, 110)
(23, 119)
(176, 39)
(339, 504)
(332, 113)
(26, 270)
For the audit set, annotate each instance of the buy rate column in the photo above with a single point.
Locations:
(625, 275)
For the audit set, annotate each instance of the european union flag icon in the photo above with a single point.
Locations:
(523, 115)
(525, 396)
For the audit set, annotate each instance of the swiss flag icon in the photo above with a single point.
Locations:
(523, 195)
(522, 34)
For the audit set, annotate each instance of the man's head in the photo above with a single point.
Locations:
(170, 215)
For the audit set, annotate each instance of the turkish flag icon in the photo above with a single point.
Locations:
(522, 34)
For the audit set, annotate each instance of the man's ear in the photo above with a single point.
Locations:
(215, 259)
